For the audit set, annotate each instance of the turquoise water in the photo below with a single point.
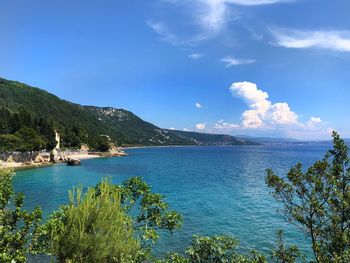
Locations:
(218, 190)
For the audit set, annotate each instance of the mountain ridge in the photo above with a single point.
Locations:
(122, 126)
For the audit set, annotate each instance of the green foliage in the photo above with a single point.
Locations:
(74, 137)
(9, 142)
(123, 127)
(102, 144)
(318, 201)
(18, 227)
(152, 213)
(149, 211)
(29, 140)
(284, 253)
(22, 132)
(216, 249)
(92, 228)
(220, 249)
(173, 258)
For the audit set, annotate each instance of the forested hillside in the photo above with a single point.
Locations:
(40, 113)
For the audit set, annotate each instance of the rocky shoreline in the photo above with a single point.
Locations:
(20, 160)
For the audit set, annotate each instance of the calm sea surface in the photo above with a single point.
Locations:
(218, 190)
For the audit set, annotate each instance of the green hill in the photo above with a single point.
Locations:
(85, 124)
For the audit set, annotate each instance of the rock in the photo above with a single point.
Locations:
(38, 159)
(84, 148)
(45, 157)
(62, 158)
(54, 156)
(73, 162)
(112, 149)
(27, 163)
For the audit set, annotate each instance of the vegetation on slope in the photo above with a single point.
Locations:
(87, 124)
(22, 132)
(76, 122)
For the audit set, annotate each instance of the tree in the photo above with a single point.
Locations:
(103, 144)
(18, 227)
(318, 201)
(215, 249)
(29, 140)
(5, 117)
(8, 142)
(92, 228)
(21, 131)
(149, 212)
(283, 253)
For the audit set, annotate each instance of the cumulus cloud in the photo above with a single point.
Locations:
(231, 61)
(172, 128)
(262, 112)
(198, 105)
(314, 121)
(266, 117)
(332, 40)
(200, 126)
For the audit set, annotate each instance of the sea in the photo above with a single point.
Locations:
(218, 190)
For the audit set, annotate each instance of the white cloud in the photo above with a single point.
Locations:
(172, 128)
(262, 113)
(162, 30)
(317, 130)
(231, 61)
(249, 92)
(168, 36)
(198, 105)
(215, 13)
(195, 56)
(222, 125)
(314, 121)
(211, 16)
(282, 114)
(268, 118)
(185, 129)
(332, 40)
(200, 126)
(255, 2)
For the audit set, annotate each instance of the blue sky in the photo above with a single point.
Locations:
(256, 67)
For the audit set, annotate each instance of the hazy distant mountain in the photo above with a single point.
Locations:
(269, 140)
(212, 139)
(286, 140)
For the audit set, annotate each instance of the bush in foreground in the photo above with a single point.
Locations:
(318, 201)
(18, 227)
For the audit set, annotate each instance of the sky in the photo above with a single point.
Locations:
(253, 67)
